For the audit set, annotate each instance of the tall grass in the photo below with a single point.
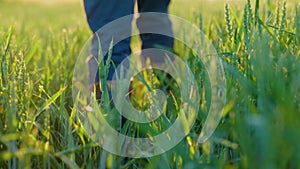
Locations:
(258, 44)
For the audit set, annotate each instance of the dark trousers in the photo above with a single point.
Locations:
(101, 12)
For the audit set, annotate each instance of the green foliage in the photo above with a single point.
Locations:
(259, 128)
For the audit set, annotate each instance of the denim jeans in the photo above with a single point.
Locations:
(101, 12)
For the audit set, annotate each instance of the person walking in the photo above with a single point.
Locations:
(102, 12)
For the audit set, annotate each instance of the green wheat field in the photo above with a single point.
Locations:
(258, 42)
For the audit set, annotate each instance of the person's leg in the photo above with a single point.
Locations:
(159, 23)
(99, 13)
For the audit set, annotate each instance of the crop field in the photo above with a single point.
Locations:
(257, 41)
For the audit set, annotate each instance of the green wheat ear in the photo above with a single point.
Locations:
(246, 27)
(201, 23)
(201, 29)
(250, 14)
(23, 89)
(283, 17)
(228, 23)
(278, 13)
